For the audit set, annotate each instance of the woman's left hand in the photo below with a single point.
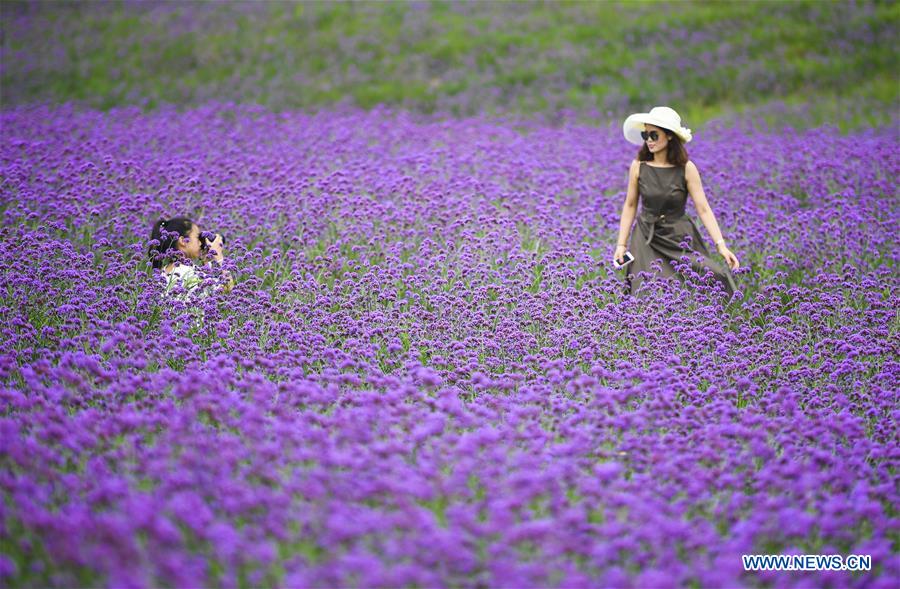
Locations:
(729, 257)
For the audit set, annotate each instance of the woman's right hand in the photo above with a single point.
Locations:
(216, 248)
(229, 280)
(619, 255)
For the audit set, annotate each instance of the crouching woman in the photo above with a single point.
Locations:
(176, 244)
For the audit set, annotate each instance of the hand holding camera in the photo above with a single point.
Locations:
(212, 242)
(212, 246)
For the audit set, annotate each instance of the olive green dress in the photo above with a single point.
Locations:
(662, 225)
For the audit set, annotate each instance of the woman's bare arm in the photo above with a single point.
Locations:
(629, 209)
(695, 189)
(218, 257)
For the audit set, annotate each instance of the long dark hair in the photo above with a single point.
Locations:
(164, 238)
(676, 153)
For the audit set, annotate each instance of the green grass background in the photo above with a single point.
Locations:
(788, 62)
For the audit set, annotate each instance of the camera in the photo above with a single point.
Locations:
(207, 237)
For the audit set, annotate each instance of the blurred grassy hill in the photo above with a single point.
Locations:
(792, 62)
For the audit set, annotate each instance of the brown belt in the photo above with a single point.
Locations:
(651, 219)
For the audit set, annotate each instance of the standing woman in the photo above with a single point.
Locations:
(663, 177)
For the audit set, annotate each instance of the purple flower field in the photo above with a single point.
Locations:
(426, 374)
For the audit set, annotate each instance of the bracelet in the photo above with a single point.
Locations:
(720, 241)
(622, 245)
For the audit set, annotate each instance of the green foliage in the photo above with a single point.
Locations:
(710, 59)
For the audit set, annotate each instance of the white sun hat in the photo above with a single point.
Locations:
(661, 116)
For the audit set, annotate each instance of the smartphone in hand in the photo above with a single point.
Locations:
(627, 258)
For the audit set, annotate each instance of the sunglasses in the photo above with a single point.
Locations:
(654, 135)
